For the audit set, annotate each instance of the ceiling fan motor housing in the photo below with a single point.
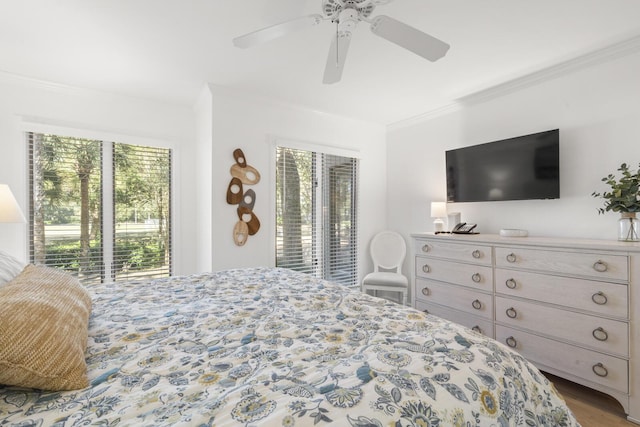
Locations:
(333, 8)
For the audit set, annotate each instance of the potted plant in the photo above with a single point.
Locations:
(623, 197)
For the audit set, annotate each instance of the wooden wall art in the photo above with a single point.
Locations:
(242, 175)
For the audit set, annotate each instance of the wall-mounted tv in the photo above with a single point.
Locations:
(522, 168)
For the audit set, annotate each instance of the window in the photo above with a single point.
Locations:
(316, 214)
(100, 210)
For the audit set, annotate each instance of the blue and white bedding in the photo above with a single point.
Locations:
(270, 347)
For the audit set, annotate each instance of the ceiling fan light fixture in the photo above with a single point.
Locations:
(348, 20)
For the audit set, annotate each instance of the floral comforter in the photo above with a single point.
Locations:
(270, 347)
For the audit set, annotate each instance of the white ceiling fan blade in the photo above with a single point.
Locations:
(374, 2)
(273, 32)
(409, 38)
(337, 57)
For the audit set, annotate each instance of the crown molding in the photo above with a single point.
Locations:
(12, 78)
(595, 57)
(67, 89)
(271, 101)
(426, 116)
(598, 56)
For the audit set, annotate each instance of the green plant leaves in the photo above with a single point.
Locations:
(623, 195)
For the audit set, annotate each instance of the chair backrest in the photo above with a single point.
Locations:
(388, 250)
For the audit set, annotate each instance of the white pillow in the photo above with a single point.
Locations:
(9, 268)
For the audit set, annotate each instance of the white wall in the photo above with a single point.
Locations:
(204, 188)
(596, 110)
(95, 114)
(249, 123)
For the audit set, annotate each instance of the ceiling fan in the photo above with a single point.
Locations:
(346, 14)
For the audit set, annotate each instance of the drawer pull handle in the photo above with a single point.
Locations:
(511, 257)
(476, 254)
(477, 329)
(425, 248)
(599, 298)
(511, 313)
(476, 304)
(600, 266)
(476, 277)
(600, 334)
(426, 291)
(426, 268)
(511, 283)
(600, 370)
(511, 342)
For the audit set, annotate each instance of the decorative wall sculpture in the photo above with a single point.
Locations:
(242, 175)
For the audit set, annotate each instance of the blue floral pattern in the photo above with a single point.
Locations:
(271, 347)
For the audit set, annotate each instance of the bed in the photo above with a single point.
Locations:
(271, 347)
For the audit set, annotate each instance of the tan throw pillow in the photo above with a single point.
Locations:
(44, 317)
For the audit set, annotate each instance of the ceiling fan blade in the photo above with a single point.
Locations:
(374, 2)
(337, 57)
(409, 38)
(273, 32)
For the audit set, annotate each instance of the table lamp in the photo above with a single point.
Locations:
(438, 211)
(9, 208)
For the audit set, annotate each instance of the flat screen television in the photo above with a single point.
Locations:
(522, 168)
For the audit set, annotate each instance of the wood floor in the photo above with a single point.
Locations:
(591, 408)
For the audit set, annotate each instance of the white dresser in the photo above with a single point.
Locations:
(568, 305)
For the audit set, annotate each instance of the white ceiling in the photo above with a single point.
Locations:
(168, 49)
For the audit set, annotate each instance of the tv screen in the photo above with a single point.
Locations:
(522, 168)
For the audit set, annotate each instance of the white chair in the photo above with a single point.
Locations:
(388, 250)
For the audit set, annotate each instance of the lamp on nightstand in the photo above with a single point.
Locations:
(9, 209)
(438, 211)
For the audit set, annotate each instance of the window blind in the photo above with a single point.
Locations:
(100, 210)
(316, 214)
(339, 204)
(65, 215)
(141, 211)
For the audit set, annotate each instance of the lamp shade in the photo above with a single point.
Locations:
(9, 209)
(438, 209)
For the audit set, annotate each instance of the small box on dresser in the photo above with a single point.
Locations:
(568, 305)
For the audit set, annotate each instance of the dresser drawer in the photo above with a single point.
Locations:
(461, 252)
(599, 266)
(609, 299)
(476, 276)
(478, 324)
(459, 298)
(610, 336)
(609, 371)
